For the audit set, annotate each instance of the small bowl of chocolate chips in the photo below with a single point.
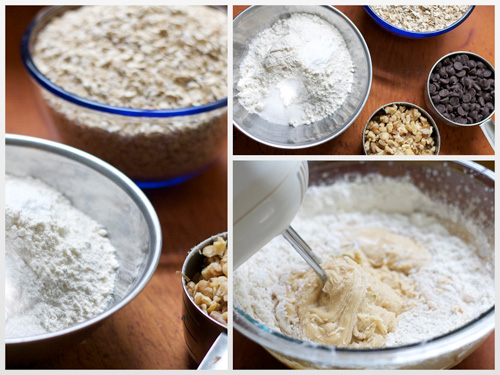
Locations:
(460, 91)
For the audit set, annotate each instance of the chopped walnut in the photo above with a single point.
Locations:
(209, 287)
(400, 131)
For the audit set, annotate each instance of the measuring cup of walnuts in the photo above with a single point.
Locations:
(204, 310)
(460, 91)
(400, 128)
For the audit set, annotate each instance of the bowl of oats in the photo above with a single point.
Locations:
(204, 281)
(401, 128)
(141, 87)
(408, 247)
(419, 21)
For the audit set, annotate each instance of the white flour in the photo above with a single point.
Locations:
(296, 72)
(456, 286)
(60, 266)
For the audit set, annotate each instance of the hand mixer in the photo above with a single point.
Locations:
(266, 196)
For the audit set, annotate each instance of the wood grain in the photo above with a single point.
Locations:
(400, 69)
(148, 332)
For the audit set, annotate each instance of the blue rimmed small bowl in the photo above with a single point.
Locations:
(412, 34)
(155, 148)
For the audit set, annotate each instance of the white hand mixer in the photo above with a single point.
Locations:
(266, 196)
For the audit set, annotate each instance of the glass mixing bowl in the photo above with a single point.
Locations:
(256, 18)
(457, 183)
(412, 34)
(171, 146)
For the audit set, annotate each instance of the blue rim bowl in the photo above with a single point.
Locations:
(412, 34)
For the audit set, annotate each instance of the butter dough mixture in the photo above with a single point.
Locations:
(363, 296)
(398, 273)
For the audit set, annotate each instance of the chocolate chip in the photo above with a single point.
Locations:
(466, 98)
(444, 93)
(481, 101)
(441, 108)
(432, 88)
(461, 111)
(435, 99)
(487, 73)
(458, 65)
(455, 102)
(466, 106)
(471, 64)
(480, 65)
(461, 73)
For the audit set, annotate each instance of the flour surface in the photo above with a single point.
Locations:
(60, 265)
(451, 289)
(296, 72)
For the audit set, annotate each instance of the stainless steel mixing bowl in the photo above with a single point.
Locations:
(464, 184)
(113, 200)
(257, 18)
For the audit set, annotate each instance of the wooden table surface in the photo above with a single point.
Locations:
(148, 332)
(400, 69)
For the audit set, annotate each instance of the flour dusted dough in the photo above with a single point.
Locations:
(365, 292)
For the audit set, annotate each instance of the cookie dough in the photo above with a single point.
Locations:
(366, 290)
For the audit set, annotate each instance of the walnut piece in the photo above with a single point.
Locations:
(208, 289)
(400, 131)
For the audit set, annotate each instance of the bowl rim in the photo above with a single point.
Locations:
(347, 125)
(135, 194)
(428, 82)
(297, 349)
(416, 34)
(58, 91)
(429, 117)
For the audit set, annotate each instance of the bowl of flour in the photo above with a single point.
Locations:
(409, 250)
(81, 242)
(301, 74)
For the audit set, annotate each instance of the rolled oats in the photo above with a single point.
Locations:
(208, 288)
(141, 57)
(399, 131)
(421, 18)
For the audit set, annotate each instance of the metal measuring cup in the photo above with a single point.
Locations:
(201, 331)
(486, 124)
(380, 111)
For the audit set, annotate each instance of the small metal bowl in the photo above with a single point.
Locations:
(106, 195)
(487, 125)
(435, 133)
(413, 34)
(200, 329)
(257, 18)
